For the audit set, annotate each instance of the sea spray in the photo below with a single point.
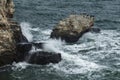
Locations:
(83, 66)
(53, 45)
(46, 32)
(26, 30)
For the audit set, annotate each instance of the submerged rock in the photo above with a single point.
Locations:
(44, 58)
(73, 27)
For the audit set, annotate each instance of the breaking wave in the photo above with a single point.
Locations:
(26, 30)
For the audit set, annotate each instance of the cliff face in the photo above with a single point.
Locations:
(13, 45)
(10, 32)
(6, 34)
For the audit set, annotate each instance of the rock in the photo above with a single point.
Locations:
(7, 58)
(95, 29)
(39, 57)
(44, 58)
(10, 33)
(27, 46)
(22, 51)
(17, 33)
(23, 47)
(13, 44)
(73, 27)
(38, 45)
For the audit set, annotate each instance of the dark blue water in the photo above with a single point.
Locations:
(96, 56)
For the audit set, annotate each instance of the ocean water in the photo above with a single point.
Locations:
(96, 56)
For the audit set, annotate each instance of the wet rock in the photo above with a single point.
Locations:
(7, 58)
(38, 45)
(22, 50)
(27, 46)
(17, 33)
(73, 27)
(44, 58)
(23, 47)
(95, 29)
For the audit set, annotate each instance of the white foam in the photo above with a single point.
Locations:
(76, 65)
(53, 45)
(104, 42)
(101, 46)
(19, 66)
(35, 29)
(46, 32)
(26, 30)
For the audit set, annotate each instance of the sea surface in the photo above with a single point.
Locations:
(96, 56)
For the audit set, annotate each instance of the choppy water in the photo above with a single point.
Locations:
(96, 56)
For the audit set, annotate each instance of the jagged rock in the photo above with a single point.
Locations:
(38, 45)
(39, 57)
(24, 47)
(13, 44)
(17, 33)
(10, 33)
(22, 51)
(73, 27)
(44, 58)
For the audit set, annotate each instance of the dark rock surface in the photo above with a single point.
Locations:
(95, 29)
(22, 50)
(23, 47)
(43, 58)
(37, 57)
(38, 45)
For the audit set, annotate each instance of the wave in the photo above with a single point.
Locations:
(26, 30)
(87, 55)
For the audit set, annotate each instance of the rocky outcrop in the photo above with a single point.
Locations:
(22, 50)
(13, 45)
(43, 58)
(36, 57)
(73, 27)
(10, 33)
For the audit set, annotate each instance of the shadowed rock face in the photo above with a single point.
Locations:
(73, 27)
(36, 57)
(10, 33)
(43, 58)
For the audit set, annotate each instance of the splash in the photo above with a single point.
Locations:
(46, 32)
(53, 45)
(73, 64)
(26, 30)
(87, 56)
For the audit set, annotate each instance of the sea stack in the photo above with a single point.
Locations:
(73, 27)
